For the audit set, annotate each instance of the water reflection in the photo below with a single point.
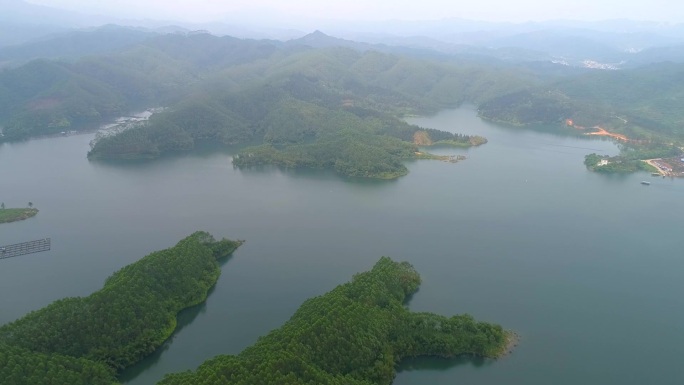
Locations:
(442, 364)
(185, 318)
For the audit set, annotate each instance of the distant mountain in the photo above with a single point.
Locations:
(556, 43)
(427, 46)
(21, 21)
(585, 48)
(48, 96)
(422, 47)
(21, 12)
(13, 33)
(674, 53)
(318, 39)
(74, 44)
(171, 29)
(609, 44)
(464, 31)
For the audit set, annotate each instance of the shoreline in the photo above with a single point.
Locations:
(600, 131)
(650, 163)
(512, 340)
(104, 125)
(603, 132)
(664, 167)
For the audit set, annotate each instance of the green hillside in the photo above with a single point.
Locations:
(646, 103)
(47, 96)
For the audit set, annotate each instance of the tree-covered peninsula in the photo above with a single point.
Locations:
(324, 120)
(355, 334)
(87, 340)
(631, 158)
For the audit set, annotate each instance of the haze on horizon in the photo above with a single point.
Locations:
(295, 12)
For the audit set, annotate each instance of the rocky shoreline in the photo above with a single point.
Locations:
(512, 340)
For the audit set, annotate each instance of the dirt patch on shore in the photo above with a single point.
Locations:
(603, 132)
(512, 340)
(422, 138)
(600, 131)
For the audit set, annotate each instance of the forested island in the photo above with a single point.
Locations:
(88, 340)
(355, 334)
(16, 214)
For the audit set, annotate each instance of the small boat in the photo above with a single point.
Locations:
(655, 174)
(645, 183)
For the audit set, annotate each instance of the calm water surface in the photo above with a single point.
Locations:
(586, 267)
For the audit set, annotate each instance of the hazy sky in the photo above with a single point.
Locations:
(281, 10)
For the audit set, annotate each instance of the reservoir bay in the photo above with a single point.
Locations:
(585, 267)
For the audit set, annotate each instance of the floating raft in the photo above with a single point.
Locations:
(18, 249)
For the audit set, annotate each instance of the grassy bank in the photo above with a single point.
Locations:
(13, 215)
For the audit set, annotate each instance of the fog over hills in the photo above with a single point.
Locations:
(23, 21)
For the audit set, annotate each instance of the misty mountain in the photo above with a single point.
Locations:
(74, 44)
(674, 53)
(18, 12)
(21, 21)
(318, 39)
(612, 41)
(573, 43)
(557, 43)
(425, 48)
(458, 51)
(13, 34)
(571, 46)
(462, 31)
(577, 45)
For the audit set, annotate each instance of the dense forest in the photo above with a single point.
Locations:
(87, 340)
(355, 334)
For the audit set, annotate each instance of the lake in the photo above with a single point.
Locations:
(587, 268)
